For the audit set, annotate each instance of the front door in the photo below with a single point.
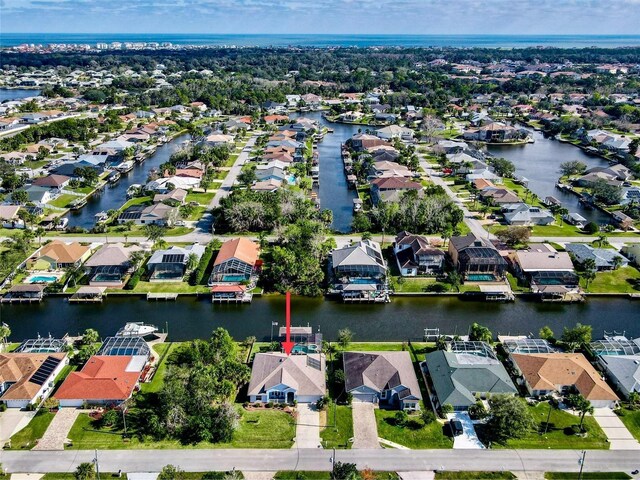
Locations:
(290, 397)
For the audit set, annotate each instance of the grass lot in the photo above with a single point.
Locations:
(86, 190)
(413, 284)
(587, 476)
(156, 383)
(375, 347)
(203, 198)
(337, 435)
(513, 282)
(292, 475)
(136, 201)
(556, 438)
(631, 420)
(170, 287)
(258, 429)
(220, 175)
(415, 435)
(615, 281)
(474, 476)
(63, 200)
(27, 437)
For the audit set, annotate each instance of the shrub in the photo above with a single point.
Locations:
(446, 408)
(322, 403)
(401, 418)
(428, 417)
(591, 227)
(197, 276)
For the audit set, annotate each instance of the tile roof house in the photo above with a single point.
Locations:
(387, 378)
(281, 378)
(59, 255)
(175, 197)
(545, 373)
(104, 380)
(415, 255)
(499, 195)
(27, 378)
(476, 257)
(546, 269)
(457, 377)
(603, 257)
(237, 261)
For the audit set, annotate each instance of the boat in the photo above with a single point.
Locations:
(125, 167)
(101, 217)
(113, 177)
(136, 329)
(78, 204)
(133, 189)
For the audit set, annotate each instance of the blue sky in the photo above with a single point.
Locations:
(323, 16)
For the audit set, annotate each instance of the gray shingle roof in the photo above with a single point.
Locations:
(271, 369)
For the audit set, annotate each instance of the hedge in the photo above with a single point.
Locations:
(198, 275)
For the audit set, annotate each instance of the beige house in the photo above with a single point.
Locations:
(57, 255)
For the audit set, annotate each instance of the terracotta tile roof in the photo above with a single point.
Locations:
(240, 248)
(102, 378)
(18, 368)
(62, 252)
(228, 288)
(547, 371)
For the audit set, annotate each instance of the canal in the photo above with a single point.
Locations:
(401, 319)
(334, 191)
(16, 93)
(540, 162)
(114, 196)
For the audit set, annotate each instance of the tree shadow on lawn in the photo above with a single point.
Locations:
(409, 424)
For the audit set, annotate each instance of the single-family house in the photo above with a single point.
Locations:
(104, 380)
(603, 257)
(280, 378)
(28, 378)
(174, 198)
(622, 220)
(389, 188)
(546, 270)
(477, 259)
(170, 264)
(109, 266)
(9, 216)
(58, 255)
(384, 378)
(623, 371)
(415, 255)
(391, 132)
(53, 182)
(156, 214)
(526, 215)
(237, 262)
(359, 271)
(546, 373)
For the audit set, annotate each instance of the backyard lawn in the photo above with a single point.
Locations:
(160, 350)
(555, 437)
(337, 435)
(201, 197)
(414, 435)
(63, 200)
(269, 428)
(169, 287)
(631, 420)
(614, 281)
(27, 437)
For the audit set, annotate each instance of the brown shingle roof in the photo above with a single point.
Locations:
(546, 371)
(18, 368)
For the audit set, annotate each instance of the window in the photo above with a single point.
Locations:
(383, 394)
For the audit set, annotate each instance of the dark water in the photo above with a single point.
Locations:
(326, 40)
(401, 319)
(334, 191)
(114, 197)
(16, 93)
(539, 162)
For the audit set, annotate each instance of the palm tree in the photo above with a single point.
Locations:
(580, 405)
(602, 240)
(446, 235)
(5, 331)
(562, 212)
(40, 232)
(85, 471)
(634, 397)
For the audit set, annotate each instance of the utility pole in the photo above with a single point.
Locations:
(95, 460)
(546, 425)
(581, 462)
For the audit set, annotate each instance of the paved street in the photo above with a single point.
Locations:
(198, 460)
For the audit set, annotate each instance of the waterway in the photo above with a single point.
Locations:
(404, 318)
(16, 93)
(334, 191)
(113, 197)
(540, 162)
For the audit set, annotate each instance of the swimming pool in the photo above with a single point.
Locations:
(41, 279)
(233, 278)
(291, 180)
(107, 277)
(301, 348)
(480, 277)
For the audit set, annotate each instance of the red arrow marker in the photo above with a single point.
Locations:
(287, 345)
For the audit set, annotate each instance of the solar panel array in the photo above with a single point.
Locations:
(173, 258)
(45, 370)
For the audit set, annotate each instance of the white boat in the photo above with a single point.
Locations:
(136, 329)
(133, 189)
(101, 217)
(125, 167)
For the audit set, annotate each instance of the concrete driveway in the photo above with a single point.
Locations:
(365, 429)
(307, 427)
(469, 438)
(618, 435)
(12, 421)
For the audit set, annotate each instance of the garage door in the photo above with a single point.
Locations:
(364, 397)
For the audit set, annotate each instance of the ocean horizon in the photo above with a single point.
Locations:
(329, 40)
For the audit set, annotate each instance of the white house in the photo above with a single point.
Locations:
(27, 378)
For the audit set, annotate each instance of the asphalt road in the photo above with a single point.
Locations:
(198, 460)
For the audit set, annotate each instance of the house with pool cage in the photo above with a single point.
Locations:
(235, 271)
(476, 259)
(110, 265)
(170, 264)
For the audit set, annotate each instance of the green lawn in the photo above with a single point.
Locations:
(86, 190)
(337, 435)
(615, 281)
(555, 437)
(306, 475)
(169, 287)
(27, 437)
(270, 428)
(201, 197)
(631, 420)
(415, 435)
(413, 284)
(156, 382)
(587, 476)
(71, 476)
(136, 201)
(474, 476)
(63, 200)
(375, 347)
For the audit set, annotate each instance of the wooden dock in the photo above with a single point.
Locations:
(246, 298)
(162, 296)
(20, 300)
